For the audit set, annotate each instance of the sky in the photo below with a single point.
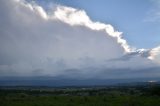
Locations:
(80, 39)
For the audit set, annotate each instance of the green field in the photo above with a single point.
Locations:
(79, 97)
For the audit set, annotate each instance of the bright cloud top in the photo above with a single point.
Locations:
(66, 42)
(155, 54)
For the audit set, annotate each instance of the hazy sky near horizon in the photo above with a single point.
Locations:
(80, 39)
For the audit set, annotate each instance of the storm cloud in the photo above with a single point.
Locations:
(66, 42)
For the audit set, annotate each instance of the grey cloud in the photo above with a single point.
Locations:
(138, 53)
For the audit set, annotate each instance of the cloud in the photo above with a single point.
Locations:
(65, 42)
(155, 54)
(79, 17)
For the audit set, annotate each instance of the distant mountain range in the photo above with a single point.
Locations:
(57, 82)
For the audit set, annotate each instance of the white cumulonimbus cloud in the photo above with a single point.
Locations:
(66, 42)
(155, 54)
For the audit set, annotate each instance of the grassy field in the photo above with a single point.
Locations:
(69, 97)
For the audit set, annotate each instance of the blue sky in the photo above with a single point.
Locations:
(127, 16)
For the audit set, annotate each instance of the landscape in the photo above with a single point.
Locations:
(137, 94)
(79, 52)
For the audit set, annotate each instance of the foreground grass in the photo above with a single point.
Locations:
(29, 100)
